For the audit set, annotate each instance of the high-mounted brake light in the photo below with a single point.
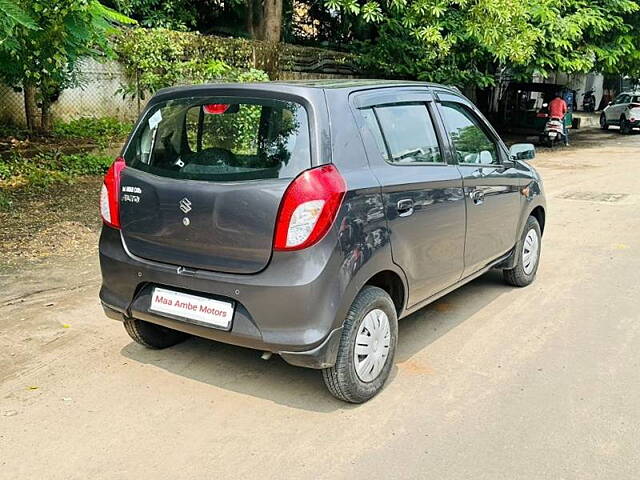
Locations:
(308, 208)
(215, 108)
(110, 194)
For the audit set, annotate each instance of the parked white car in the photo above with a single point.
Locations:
(624, 111)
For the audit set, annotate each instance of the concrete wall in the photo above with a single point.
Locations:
(98, 95)
(581, 83)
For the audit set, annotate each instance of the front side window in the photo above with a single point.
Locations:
(223, 139)
(622, 99)
(471, 144)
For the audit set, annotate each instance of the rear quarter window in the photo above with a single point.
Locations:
(222, 139)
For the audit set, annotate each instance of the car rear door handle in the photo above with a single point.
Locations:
(404, 207)
(477, 196)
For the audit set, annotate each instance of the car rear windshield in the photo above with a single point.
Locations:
(222, 139)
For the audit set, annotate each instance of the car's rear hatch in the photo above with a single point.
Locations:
(205, 177)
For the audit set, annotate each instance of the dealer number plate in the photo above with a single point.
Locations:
(199, 309)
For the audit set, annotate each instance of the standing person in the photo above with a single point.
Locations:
(558, 109)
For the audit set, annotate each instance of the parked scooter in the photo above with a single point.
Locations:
(589, 101)
(553, 132)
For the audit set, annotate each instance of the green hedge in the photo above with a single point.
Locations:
(158, 58)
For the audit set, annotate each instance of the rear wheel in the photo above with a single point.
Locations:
(603, 122)
(528, 256)
(152, 336)
(367, 348)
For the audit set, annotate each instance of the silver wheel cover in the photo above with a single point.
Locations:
(530, 251)
(371, 349)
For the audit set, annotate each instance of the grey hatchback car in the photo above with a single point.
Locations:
(305, 219)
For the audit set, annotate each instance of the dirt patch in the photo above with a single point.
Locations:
(30, 147)
(59, 222)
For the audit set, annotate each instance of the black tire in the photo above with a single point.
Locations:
(342, 380)
(152, 336)
(625, 126)
(518, 276)
(603, 122)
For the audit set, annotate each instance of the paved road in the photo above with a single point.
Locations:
(490, 382)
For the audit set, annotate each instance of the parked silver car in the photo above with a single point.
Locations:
(624, 111)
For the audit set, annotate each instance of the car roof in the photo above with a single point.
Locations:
(629, 93)
(358, 83)
(294, 87)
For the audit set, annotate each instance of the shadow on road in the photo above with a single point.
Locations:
(241, 370)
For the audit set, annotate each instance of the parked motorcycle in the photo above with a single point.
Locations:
(589, 101)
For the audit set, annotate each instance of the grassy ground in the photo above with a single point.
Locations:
(49, 187)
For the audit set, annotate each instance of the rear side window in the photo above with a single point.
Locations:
(404, 133)
(222, 139)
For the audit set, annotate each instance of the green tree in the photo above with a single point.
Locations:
(41, 56)
(10, 16)
(466, 42)
(171, 14)
(576, 36)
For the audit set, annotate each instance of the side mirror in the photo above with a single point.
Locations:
(609, 104)
(522, 151)
(486, 157)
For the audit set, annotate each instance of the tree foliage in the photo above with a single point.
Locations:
(467, 41)
(40, 55)
(171, 14)
(11, 15)
(158, 58)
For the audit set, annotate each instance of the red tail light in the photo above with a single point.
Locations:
(308, 208)
(215, 108)
(110, 194)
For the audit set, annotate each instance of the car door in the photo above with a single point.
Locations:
(422, 192)
(491, 184)
(616, 108)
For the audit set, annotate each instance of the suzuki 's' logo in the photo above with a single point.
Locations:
(185, 205)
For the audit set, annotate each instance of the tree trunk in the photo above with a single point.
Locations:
(272, 21)
(255, 19)
(250, 26)
(45, 122)
(30, 106)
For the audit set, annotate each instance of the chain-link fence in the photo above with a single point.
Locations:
(100, 90)
(98, 95)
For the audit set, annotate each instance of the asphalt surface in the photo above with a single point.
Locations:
(490, 382)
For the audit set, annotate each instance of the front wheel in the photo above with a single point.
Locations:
(603, 122)
(367, 348)
(625, 126)
(528, 256)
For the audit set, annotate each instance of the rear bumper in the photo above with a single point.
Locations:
(291, 308)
